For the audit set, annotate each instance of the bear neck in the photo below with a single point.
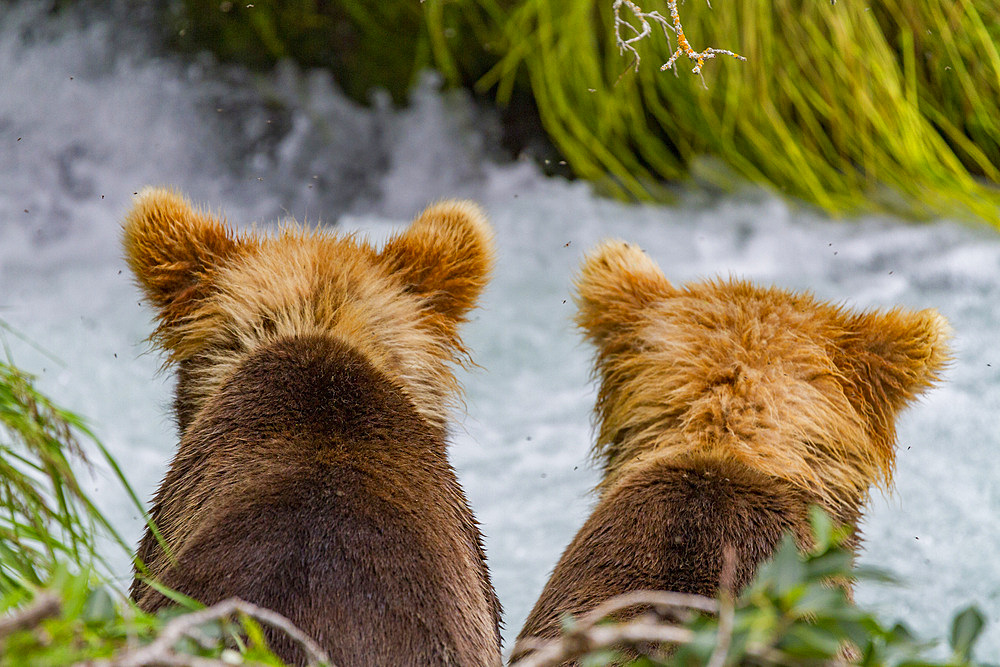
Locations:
(319, 391)
(816, 477)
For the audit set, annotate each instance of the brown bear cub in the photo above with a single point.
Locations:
(725, 410)
(314, 384)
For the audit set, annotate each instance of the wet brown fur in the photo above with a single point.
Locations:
(724, 411)
(313, 391)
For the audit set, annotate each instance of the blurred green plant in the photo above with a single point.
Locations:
(892, 105)
(794, 613)
(365, 45)
(72, 621)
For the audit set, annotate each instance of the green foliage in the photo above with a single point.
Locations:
(364, 44)
(965, 629)
(45, 516)
(892, 105)
(80, 621)
(795, 613)
(888, 105)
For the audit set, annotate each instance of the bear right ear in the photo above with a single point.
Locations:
(888, 358)
(173, 250)
(446, 257)
(617, 281)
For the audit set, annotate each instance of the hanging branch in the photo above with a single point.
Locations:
(644, 18)
(645, 29)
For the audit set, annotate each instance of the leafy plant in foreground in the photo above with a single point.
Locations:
(794, 613)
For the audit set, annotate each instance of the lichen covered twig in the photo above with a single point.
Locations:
(645, 29)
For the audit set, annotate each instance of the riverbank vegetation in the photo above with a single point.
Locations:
(853, 107)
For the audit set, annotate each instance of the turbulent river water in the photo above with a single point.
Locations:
(89, 114)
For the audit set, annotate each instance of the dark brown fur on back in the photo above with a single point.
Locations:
(310, 483)
(667, 526)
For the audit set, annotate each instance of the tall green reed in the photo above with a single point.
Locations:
(850, 106)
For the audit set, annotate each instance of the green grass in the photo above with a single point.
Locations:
(853, 107)
(365, 45)
(892, 105)
(45, 516)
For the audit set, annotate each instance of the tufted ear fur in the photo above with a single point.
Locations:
(174, 250)
(617, 281)
(445, 256)
(887, 359)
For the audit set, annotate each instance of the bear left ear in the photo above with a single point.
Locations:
(173, 250)
(890, 357)
(617, 281)
(445, 256)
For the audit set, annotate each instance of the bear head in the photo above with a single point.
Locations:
(778, 381)
(220, 295)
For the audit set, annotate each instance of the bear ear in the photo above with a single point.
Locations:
(173, 250)
(890, 357)
(617, 281)
(445, 256)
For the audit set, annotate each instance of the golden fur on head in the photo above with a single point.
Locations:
(778, 381)
(220, 296)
